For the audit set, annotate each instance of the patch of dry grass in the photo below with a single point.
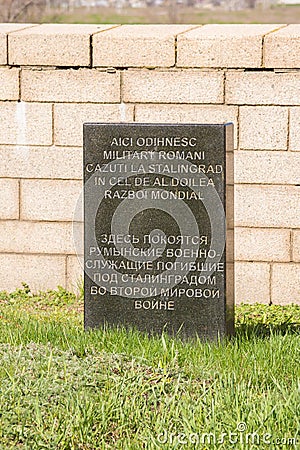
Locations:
(278, 14)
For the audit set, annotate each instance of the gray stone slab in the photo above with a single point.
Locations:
(159, 227)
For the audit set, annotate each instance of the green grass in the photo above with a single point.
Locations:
(177, 14)
(63, 388)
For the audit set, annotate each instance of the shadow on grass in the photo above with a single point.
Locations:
(262, 321)
(265, 330)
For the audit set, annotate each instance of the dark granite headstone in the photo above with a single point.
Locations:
(159, 227)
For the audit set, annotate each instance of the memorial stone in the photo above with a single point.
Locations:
(159, 227)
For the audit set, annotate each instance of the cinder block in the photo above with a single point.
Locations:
(75, 271)
(186, 86)
(53, 45)
(53, 200)
(137, 46)
(25, 123)
(78, 233)
(294, 129)
(267, 206)
(230, 45)
(267, 167)
(82, 85)
(9, 84)
(262, 88)
(187, 114)
(296, 245)
(285, 284)
(282, 48)
(252, 282)
(41, 162)
(69, 119)
(6, 28)
(9, 205)
(262, 244)
(263, 127)
(41, 272)
(36, 237)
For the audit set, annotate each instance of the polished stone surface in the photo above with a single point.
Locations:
(156, 234)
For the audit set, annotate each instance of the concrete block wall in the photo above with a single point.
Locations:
(53, 78)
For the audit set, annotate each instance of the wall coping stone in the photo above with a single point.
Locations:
(227, 46)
